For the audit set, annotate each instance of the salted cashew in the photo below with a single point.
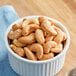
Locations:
(46, 26)
(25, 31)
(59, 36)
(29, 54)
(36, 47)
(14, 34)
(16, 26)
(57, 49)
(17, 50)
(49, 38)
(39, 36)
(30, 21)
(48, 45)
(28, 39)
(47, 56)
(29, 29)
(18, 43)
(41, 19)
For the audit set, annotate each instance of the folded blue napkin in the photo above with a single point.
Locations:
(7, 16)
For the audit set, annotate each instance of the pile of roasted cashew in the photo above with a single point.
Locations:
(36, 39)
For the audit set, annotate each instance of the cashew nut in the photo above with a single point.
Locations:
(47, 56)
(36, 47)
(29, 54)
(48, 45)
(17, 50)
(14, 34)
(41, 19)
(16, 26)
(30, 21)
(25, 30)
(57, 49)
(28, 39)
(39, 36)
(59, 36)
(18, 43)
(29, 29)
(46, 26)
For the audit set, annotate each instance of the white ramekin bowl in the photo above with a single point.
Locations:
(26, 67)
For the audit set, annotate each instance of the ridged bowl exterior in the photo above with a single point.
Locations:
(30, 69)
(26, 67)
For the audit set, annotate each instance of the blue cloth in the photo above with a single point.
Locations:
(7, 16)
